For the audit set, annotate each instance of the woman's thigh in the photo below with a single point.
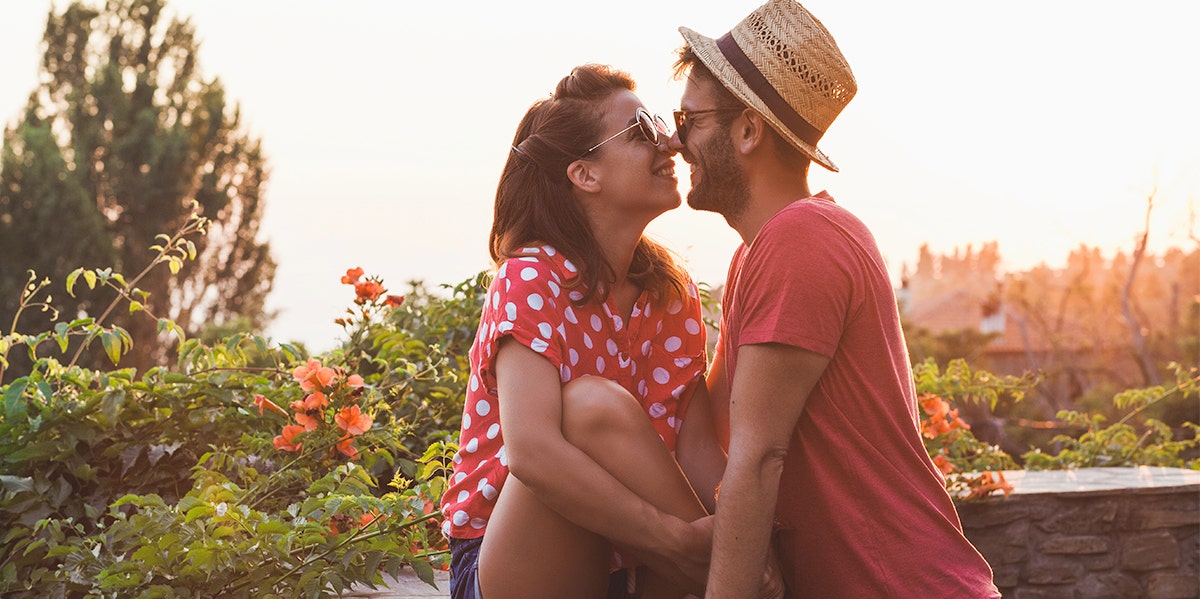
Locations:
(531, 551)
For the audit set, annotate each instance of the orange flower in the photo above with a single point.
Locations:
(369, 518)
(352, 275)
(347, 448)
(943, 464)
(312, 375)
(306, 421)
(394, 300)
(957, 422)
(934, 428)
(354, 381)
(286, 441)
(985, 485)
(936, 407)
(368, 291)
(352, 420)
(264, 403)
(315, 401)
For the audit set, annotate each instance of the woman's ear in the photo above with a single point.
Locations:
(583, 175)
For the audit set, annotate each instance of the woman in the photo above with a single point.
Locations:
(589, 349)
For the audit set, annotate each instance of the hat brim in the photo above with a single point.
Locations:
(707, 51)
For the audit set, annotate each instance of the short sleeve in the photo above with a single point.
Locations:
(796, 284)
(525, 301)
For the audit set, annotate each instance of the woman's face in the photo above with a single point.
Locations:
(634, 176)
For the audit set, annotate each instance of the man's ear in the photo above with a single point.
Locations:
(582, 174)
(749, 131)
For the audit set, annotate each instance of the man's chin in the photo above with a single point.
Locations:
(697, 202)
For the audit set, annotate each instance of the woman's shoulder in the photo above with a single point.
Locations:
(533, 262)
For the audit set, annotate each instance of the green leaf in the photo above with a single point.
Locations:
(14, 404)
(16, 484)
(271, 527)
(71, 281)
(147, 554)
(112, 346)
(200, 511)
(135, 306)
(44, 388)
(89, 276)
(424, 571)
(37, 451)
(111, 405)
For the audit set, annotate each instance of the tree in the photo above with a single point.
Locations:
(122, 133)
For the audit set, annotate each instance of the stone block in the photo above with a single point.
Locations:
(1006, 577)
(1100, 561)
(1109, 585)
(1092, 518)
(1075, 545)
(986, 515)
(1042, 570)
(1151, 551)
(1163, 585)
(1168, 518)
(1050, 592)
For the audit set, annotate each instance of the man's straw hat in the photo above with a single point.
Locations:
(782, 62)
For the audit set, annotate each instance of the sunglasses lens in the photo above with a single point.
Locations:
(646, 123)
(681, 125)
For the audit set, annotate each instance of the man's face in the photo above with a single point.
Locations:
(718, 182)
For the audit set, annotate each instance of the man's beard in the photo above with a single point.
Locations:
(723, 187)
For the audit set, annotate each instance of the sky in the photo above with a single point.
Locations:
(1038, 125)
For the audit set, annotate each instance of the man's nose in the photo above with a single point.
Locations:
(674, 144)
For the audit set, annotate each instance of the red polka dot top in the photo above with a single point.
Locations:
(656, 356)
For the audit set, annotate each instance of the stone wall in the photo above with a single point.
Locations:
(1138, 541)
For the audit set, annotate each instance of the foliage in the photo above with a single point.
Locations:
(1121, 444)
(960, 384)
(427, 332)
(194, 481)
(122, 133)
(972, 468)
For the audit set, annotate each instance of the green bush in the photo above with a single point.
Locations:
(246, 470)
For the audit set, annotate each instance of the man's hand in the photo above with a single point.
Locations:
(772, 583)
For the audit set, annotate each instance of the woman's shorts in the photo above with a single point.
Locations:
(464, 568)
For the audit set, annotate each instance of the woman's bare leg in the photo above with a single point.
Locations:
(531, 551)
(601, 418)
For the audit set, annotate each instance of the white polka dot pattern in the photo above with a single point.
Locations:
(656, 354)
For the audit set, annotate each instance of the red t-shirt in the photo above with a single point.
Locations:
(862, 511)
(656, 356)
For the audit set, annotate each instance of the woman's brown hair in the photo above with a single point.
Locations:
(534, 200)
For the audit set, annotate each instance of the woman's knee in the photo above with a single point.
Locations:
(594, 405)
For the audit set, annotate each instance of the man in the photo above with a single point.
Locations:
(811, 381)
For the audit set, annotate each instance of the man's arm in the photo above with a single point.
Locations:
(770, 388)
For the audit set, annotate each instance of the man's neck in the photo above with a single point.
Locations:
(768, 195)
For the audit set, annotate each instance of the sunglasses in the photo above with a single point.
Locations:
(684, 118)
(653, 129)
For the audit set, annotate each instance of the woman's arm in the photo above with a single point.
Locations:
(698, 452)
